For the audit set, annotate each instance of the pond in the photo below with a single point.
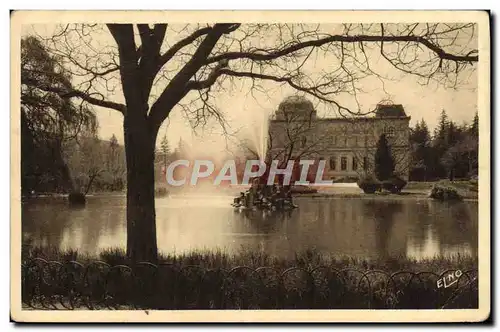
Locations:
(361, 227)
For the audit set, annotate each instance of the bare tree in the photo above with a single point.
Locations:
(151, 69)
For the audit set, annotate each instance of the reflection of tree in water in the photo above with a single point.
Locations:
(384, 213)
(456, 223)
(44, 221)
(53, 223)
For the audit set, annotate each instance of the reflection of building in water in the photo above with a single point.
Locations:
(347, 144)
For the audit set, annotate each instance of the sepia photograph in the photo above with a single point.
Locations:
(175, 166)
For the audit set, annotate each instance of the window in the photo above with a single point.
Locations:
(389, 131)
(304, 142)
(354, 163)
(343, 163)
(333, 163)
(352, 141)
(365, 163)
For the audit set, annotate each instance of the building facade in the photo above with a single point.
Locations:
(348, 145)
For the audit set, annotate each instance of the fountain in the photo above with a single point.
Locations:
(259, 136)
(261, 195)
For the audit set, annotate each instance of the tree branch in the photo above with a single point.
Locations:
(178, 86)
(345, 39)
(65, 93)
(182, 43)
(199, 85)
(191, 38)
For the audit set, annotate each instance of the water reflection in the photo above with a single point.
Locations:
(356, 227)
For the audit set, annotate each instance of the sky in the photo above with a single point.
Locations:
(246, 109)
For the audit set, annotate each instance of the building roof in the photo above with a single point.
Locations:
(392, 110)
(296, 102)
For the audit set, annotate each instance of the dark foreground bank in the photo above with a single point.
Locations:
(214, 280)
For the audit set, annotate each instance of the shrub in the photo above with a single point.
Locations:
(369, 184)
(394, 184)
(347, 179)
(444, 193)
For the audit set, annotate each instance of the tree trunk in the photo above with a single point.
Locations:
(140, 140)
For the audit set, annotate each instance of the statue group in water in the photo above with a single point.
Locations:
(265, 197)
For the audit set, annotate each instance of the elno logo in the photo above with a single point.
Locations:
(449, 279)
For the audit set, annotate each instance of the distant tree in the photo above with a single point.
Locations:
(165, 147)
(440, 144)
(384, 162)
(451, 159)
(457, 148)
(420, 142)
(421, 134)
(115, 165)
(165, 151)
(442, 128)
(454, 134)
(474, 129)
(468, 148)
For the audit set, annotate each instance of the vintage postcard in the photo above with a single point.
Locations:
(213, 166)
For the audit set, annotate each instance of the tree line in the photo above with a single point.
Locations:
(450, 152)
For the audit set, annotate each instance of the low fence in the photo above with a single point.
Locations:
(98, 285)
